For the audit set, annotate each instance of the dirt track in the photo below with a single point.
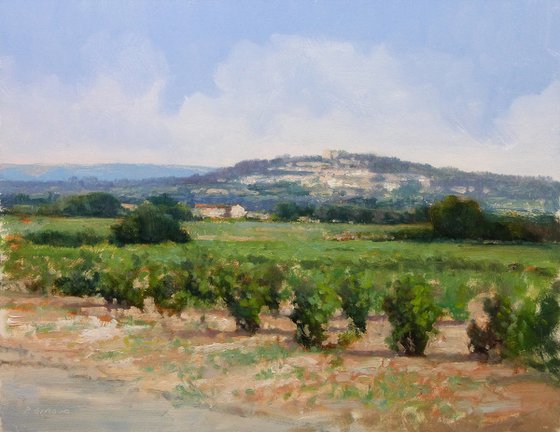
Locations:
(41, 398)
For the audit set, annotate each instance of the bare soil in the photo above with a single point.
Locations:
(199, 360)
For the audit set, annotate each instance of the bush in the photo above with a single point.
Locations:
(533, 336)
(290, 211)
(528, 331)
(463, 219)
(271, 279)
(412, 314)
(148, 224)
(182, 286)
(164, 286)
(65, 239)
(241, 294)
(82, 279)
(121, 285)
(95, 204)
(197, 286)
(356, 300)
(489, 337)
(314, 304)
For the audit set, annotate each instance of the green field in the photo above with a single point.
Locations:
(457, 270)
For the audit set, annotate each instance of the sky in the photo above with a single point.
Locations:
(469, 84)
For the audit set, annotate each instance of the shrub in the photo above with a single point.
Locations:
(241, 294)
(412, 314)
(271, 279)
(314, 304)
(148, 224)
(489, 337)
(463, 219)
(533, 335)
(82, 279)
(528, 331)
(356, 300)
(197, 286)
(120, 285)
(64, 238)
(290, 211)
(184, 285)
(164, 285)
(95, 204)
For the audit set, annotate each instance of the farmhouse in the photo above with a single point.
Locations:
(219, 211)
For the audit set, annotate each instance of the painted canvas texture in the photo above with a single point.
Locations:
(279, 216)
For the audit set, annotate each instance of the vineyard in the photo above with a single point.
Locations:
(285, 301)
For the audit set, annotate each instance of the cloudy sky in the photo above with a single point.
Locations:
(472, 84)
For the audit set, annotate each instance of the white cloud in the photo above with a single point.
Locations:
(291, 95)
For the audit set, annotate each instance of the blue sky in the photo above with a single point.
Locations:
(474, 85)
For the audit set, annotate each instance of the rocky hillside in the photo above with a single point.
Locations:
(366, 178)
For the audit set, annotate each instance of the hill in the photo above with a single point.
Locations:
(342, 177)
(336, 177)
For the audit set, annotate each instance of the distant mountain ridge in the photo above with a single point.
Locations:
(103, 172)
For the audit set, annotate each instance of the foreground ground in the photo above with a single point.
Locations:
(200, 361)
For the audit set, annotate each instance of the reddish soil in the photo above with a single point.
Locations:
(200, 359)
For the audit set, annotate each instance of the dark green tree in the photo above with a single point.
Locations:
(148, 224)
(169, 205)
(457, 218)
(95, 204)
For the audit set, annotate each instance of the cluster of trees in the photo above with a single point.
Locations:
(526, 330)
(21, 203)
(156, 220)
(458, 218)
(95, 204)
(452, 217)
(346, 213)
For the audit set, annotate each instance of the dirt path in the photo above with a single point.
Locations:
(34, 398)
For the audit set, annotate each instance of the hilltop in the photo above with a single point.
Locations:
(341, 177)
